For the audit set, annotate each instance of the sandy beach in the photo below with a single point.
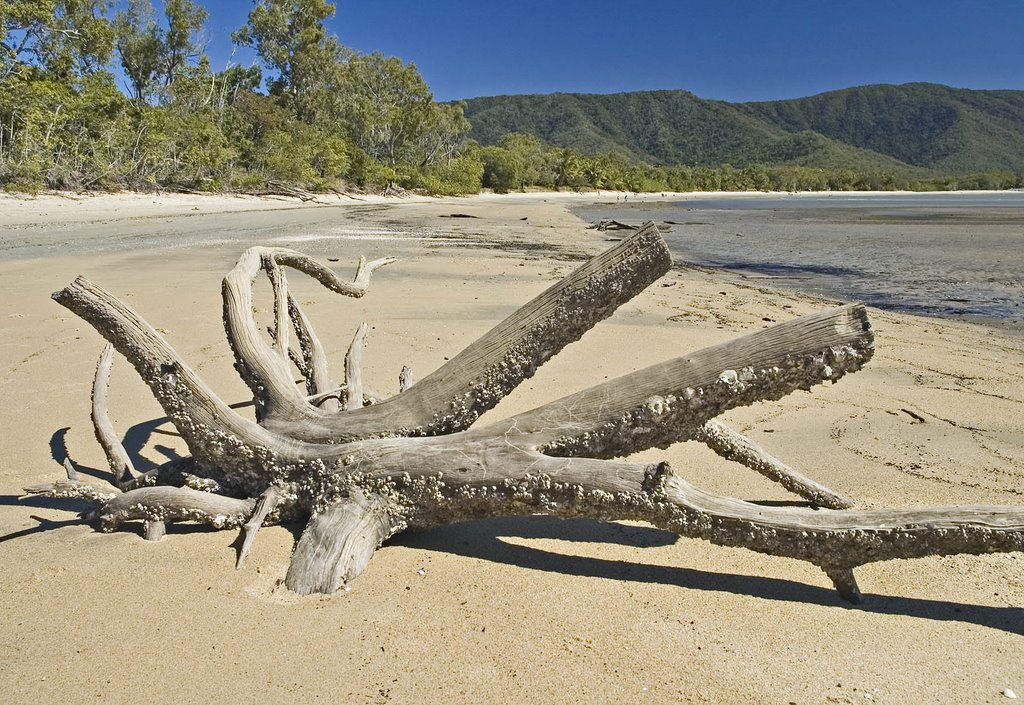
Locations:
(531, 609)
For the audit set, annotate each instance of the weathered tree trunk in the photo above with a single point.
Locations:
(360, 471)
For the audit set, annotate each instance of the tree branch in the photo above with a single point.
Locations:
(354, 369)
(405, 379)
(670, 401)
(732, 445)
(163, 504)
(267, 373)
(266, 504)
(453, 397)
(117, 457)
(318, 380)
(212, 430)
(279, 285)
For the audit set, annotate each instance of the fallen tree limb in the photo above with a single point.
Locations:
(318, 379)
(277, 188)
(359, 474)
(267, 373)
(732, 445)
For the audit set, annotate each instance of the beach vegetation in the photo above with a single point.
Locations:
(97, 96)
(313, 114)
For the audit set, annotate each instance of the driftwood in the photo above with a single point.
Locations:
(605, 225)
(276, 188)
(358, 472)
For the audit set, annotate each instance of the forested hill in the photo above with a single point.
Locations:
(915, 127)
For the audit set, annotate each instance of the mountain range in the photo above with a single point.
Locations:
(914, 128)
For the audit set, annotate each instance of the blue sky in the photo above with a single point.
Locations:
(736, 51)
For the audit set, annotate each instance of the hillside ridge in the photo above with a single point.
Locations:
(909, 128)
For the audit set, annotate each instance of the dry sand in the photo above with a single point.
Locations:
(527, 610)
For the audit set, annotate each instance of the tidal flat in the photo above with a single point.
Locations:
(952, 255)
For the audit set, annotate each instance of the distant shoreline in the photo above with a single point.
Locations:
(64, 206)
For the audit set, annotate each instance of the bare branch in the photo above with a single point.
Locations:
(69, 468)
(670, 401)
(209, 427)
(266, 373)
(154, 529)
(337, 395)
(163, 504)
(732, 445)
(266, 504)
(117, 457)
(318, 379)
(354, 369)
(72, 489)
(836, 541)
(302, 365)
(279, 285)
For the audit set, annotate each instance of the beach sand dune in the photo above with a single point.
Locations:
(528, 609)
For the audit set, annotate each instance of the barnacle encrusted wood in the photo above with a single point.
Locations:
(359, 469)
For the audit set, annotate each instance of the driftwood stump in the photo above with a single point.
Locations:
(359, 469)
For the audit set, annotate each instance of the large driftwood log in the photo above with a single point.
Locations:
(359, 472)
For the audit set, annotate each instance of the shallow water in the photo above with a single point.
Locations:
(949, 255)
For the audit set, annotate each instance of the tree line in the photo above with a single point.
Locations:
(520, 160)
(312, 114)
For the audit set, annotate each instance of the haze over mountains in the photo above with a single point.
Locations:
(915, 128)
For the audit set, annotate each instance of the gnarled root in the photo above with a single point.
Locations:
(364, 472)
(340, 540)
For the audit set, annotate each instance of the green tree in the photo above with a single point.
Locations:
(460, 175)
(65, 38)
(568, 168)
(680, 178)
(706, 179)
(139, 48)
(290, 38)
(236, 80)
(57, 135)
(527, 157)
(755, 177)
(153, 57)
(180, 46)
(443, 135)
(390, 111)
(274, 145)
(17, 20)
(500, 171)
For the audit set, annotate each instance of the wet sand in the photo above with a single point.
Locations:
(527, 609)
(953, 255)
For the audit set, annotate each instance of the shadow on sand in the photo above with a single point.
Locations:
(484, 540)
